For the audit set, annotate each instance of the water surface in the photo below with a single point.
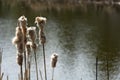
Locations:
(78, 36)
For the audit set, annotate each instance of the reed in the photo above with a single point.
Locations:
(1, 51)
(18, 42)
(7, 77)
(41, 74)
(96, 68)
(1, 77)
(23, 25)
(36, 64)
(32, 36)
(19, 62)
(28, 53)
(25, 42)
(41, 21)
(1, 74)
(107, 63)
(54, 59)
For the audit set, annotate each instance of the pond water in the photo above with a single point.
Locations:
(78, 36)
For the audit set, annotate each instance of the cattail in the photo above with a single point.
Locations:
(20, 62)
(18, 39)
(20, 48)
(40, 21)
(18, 36)
(28, 47)
(22, 21)
(32, 33)
(34, 46)
(19, 59)
(32, 36)
(54, 60)
(23, 25)
(1, 51)
(28, 51)
(42, 37)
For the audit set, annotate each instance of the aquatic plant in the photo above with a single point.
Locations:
(22, 20)
(17, 41)
(54, 59)
(28, 54)
(32, 36)
(41, 21)
(25, 42)
(20, 63)
(1, 74)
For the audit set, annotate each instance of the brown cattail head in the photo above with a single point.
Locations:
(32, 33)
(40, 21)
(18, 39)
(34, 46)
(23, 25)
(18, 36)
(20, 59)
(22, 20)
(20, 48)
(28, 47)
(54, 59)
(18, 32)
(42, 37)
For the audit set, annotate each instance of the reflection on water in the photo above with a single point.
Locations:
(78, 37)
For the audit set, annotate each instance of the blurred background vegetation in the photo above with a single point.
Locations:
(58, 4)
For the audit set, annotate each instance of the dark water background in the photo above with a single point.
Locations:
(78, 35)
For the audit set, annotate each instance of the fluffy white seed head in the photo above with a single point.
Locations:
(18, 36)
(54, 59)
(22, 21)
(31, 31)
(22, 18)
(40, 21)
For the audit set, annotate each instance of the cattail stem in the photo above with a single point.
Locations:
(44, 62)
(25, 60)
(25, 75)
(1, 76)
(21, 72)
(36, 64)
(52, 73)
(41, 74)
(96, 67)
(18, 76)
(29, 69)
(0, 70)
(7, 77)
(1, 50)
(107, 69)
